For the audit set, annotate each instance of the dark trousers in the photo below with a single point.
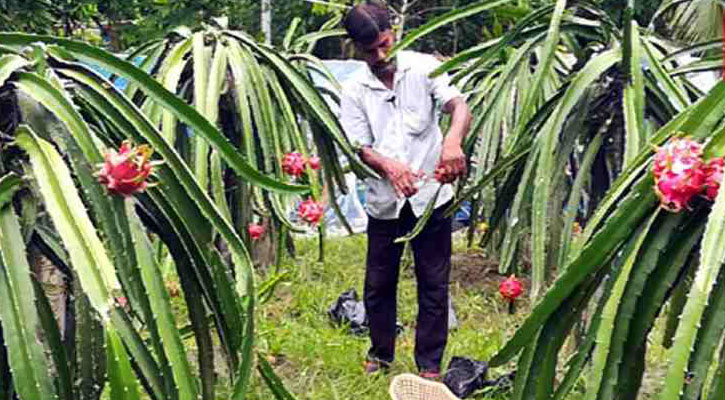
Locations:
(432, 257)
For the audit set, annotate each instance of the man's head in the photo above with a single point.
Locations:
(368, 25)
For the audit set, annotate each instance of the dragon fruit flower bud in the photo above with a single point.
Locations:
(255, 231)
(293, 164)
(511, 288)
(679, 173)
(314, 162)
(125, 172)
(310, 211)
(713, 178)
(576, 228)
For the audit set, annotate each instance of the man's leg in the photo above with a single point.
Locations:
(381, 281)
(432, 254)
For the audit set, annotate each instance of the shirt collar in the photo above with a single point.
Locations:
(372, 81)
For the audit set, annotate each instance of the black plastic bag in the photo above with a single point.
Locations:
(349, 310)
(464, 376)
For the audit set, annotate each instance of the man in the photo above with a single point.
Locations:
(390, 115)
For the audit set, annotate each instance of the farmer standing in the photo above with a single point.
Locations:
(389, 113)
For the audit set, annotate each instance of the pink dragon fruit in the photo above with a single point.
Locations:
(125, 172)
(293, 164)
(255, 231)
(310, 211)
(713, 172)
(314, 162)
(511, 288)
(679, 173)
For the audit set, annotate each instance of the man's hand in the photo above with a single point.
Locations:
(452, 163)
(398, 174)
(401, 177)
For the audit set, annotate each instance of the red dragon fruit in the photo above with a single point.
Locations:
(510, 289)
(255, 231)
(314, 162)
(125, 172)
(293, 164)
(679, 173)
(713, 172)
(310, 211)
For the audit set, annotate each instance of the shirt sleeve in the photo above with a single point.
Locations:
(442, 89)
(353, 120)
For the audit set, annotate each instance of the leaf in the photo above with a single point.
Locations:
(121, 379)
(543, 182)
(712, 254)
(90, 364)
(676, 94)
(9, 64)
(58, 352)
(633, 98)
(534, 92)
(443, 20)
(570, 210)
(708, 339)
(422, 221)
(609, 313)
(311, 39)
(89, 258)
(291, 30)
(717, 392)
(170, 74)
(30, 369)
(501, 167)
(272, 380)
(9, 185)
(161, 307)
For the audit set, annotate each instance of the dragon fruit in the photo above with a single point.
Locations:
(125, 171)
(293, 164)
(679, 173)
(310, 211)
(511, 288)
(255, 231)
(713, 172)
(314, 162)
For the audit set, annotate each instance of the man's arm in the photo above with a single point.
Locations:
(400, 175)
(452, 162)
(356, 126)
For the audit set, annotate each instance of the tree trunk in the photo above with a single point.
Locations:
(266, 21)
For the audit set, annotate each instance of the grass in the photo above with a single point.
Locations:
(317, 360)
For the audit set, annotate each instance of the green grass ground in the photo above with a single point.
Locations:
(320, 361)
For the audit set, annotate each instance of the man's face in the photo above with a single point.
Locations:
(374, 54)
